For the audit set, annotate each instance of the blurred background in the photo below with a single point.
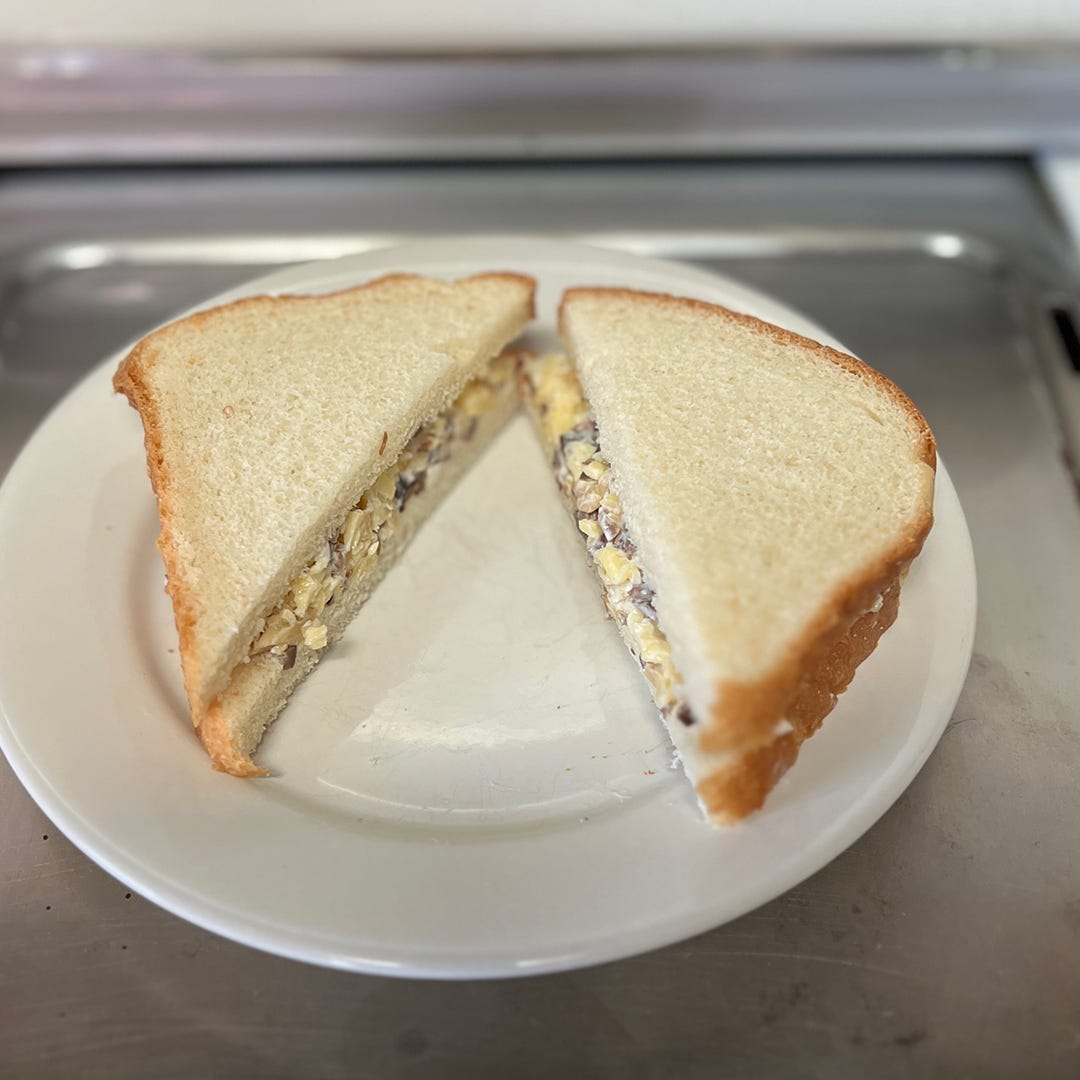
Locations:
(907, 174)
(330, 80)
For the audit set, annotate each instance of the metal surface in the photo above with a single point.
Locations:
(79, 106)
(946, 942)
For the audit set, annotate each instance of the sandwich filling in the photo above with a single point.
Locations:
(356, 545)
(583, 473)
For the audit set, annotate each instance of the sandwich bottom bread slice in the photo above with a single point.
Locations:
(750, 500)
(295, 444)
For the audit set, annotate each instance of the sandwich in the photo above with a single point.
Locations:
(295, 444)
(751, 501)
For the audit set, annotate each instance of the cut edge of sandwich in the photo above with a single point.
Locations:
(205, 682)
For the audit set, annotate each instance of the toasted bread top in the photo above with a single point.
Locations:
(267, 418)
(774, 486)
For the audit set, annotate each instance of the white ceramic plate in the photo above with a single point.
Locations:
(474, 782)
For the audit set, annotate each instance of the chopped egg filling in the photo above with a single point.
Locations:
(583, 474)
(356, 545)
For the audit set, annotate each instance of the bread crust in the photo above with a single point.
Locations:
(132, 379)
(225, 755)
(745, 714)
(730, 794)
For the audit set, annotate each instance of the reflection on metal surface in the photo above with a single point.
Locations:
(698, 244)
(945, 246)
(268, 250)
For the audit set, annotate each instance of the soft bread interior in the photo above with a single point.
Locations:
(774, 487)
(266, 419)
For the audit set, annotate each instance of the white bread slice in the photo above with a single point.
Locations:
(265, 421)
(776, 490)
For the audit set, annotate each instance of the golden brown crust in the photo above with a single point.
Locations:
(224, 754)
(731, 794)
(745, 714)
(277, 299)
(130, 380)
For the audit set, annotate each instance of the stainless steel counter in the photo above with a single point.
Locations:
(946, 942)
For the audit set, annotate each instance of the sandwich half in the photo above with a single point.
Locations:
(295, 444)
(751, 501)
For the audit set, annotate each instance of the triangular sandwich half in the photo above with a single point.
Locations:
(751, 500)
(295, 443)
